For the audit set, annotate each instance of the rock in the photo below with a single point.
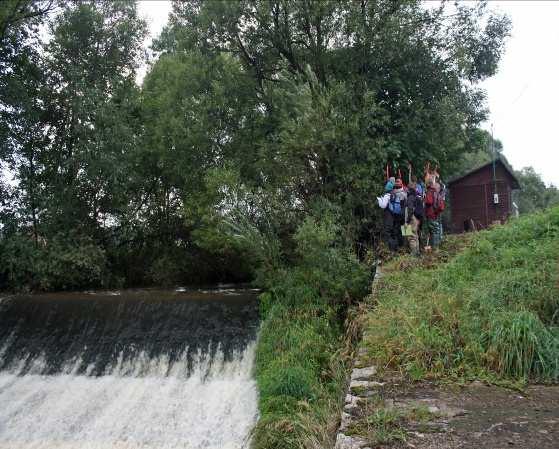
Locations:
(367, 384)
(346, 442)
(362, 351)
(364, 393)
(346, 421)
(363, 373)
(439, 408)
(351, 404)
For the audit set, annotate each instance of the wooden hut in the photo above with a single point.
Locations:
(482, 196)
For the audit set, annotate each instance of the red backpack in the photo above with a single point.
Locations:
(438, 202)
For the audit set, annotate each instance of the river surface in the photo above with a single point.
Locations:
(159, 369)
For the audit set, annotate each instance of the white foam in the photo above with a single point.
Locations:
(147, 404)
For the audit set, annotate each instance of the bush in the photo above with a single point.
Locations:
(72, 262)
(62, 263)
(299, 370)
(19, 263)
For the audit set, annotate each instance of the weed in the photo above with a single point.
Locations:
(385, 425)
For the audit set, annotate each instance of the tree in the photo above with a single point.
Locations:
(90, 102)
(21, 132)
(19, 24)
(481, 149)
(342, 88)
(260, 112)
(534, 194)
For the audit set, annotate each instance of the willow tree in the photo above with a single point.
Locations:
(341, 88)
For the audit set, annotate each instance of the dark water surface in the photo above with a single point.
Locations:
(128, 369)
(101, 329)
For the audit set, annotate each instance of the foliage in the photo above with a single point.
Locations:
(482, 149)
(20, 21)
(250, 115)
(491, 310)
(534, 194)
(66, 262)
(332, 91)
(299, 369)
(18, 265)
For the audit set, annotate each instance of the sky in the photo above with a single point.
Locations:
(523, 97)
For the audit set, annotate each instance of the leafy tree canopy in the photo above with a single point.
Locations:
(254, 115)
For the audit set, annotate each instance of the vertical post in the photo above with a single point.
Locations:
(494, 167)
(486, 206)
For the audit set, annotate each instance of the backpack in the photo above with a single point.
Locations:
(418, 208)
(394, 205)
(438, 202)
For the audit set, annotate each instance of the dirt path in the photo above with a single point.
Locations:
(478, 416)
(388, 412)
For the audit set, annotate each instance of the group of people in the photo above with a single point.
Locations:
(411, 213)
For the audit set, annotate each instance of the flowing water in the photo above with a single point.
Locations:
(128, 369)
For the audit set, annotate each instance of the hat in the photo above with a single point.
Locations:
(388, 187)
(398, 184)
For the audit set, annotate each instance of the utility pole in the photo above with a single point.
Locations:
(495, 194)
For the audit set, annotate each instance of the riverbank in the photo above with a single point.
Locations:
(453, 339)
(303, 352)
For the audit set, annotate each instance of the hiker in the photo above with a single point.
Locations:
(419, 186)
(397, 206)
(387, 217)
(434, 205)
(414, 217)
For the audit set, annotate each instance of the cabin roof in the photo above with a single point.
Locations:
(515, 183)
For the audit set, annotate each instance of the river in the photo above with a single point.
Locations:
(159, 369)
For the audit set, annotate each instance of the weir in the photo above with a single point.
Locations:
(128, 369)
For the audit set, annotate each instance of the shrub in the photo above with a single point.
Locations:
(18, 262)
(72, 262)
(61, 263)
(299, 370)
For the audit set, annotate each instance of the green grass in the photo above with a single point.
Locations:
(486, 305)
(300, 374)
(385, 425)
(301, 357)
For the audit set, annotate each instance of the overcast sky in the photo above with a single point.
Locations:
(524, 95)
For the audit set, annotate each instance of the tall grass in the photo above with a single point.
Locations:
(300, 368)
(492, 309)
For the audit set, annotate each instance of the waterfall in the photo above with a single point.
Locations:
(132, 369)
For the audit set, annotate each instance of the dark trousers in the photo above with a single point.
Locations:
(392, 230)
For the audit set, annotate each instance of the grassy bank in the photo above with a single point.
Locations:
(301, 360)
(485, 306)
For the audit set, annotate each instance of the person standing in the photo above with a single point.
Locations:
(387, 217)
(397, 206)
(434, 206)
(414, 217)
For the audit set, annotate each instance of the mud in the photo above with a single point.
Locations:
(478, 416)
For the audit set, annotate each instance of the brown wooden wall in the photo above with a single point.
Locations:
(472, 198)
